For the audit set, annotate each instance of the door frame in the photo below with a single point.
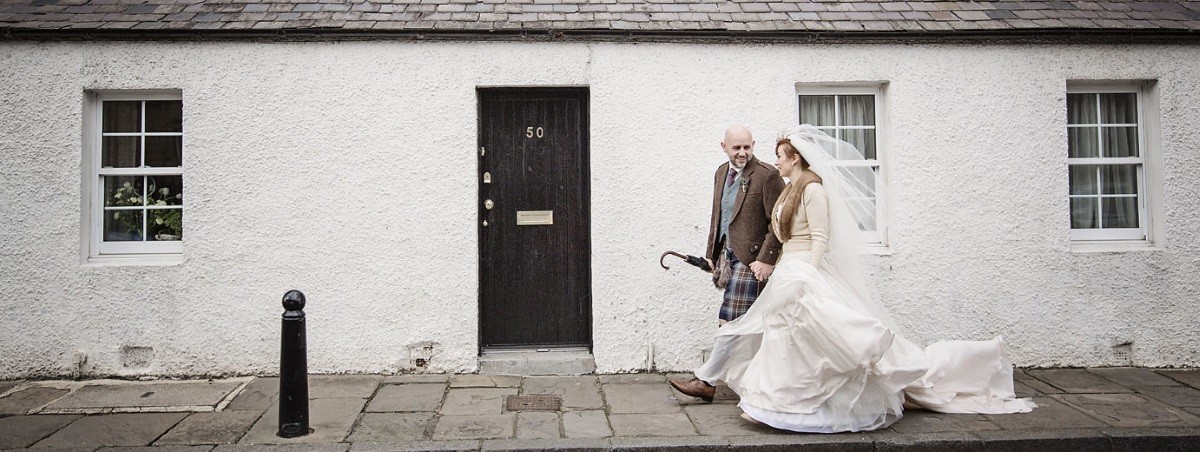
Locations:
(584, 95)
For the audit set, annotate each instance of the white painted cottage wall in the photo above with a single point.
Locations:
(347, 170)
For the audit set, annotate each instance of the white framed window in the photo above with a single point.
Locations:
(133, 145)
(852, 113)
(1107, 147)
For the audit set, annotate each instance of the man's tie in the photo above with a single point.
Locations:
(732, 176)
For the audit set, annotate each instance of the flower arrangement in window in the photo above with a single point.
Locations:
(165, 224)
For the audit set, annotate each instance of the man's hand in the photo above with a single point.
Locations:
(761, 271)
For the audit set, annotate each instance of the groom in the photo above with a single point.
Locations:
(744, 193)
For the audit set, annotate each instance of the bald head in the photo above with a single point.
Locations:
(738, 145)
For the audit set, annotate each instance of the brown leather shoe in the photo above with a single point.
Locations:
(695, 388)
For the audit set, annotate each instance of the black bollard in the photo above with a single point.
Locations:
(293, 369)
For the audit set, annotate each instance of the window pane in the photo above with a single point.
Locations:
(123, 116)
(123, 225)
(1083, 142)
(164, 151)
(1083, 180)
(164, 116)
(1120, 213)
(120, 152)
(869, 206)
(121, 191)
(165, 225)
(862, 139)
(165, 191)
(1120, 142)
(1118, 179)
(1081, 109)
(817, 110)
(858, 110)
(1083, 213)
(1118, 108)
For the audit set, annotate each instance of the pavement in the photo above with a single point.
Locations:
(1098, 409)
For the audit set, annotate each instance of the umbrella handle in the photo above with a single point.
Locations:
(664, 256)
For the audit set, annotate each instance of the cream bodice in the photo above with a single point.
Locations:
(810, 227)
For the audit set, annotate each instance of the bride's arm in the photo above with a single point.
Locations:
(816, 207)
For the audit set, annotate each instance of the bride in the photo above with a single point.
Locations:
(817, 352)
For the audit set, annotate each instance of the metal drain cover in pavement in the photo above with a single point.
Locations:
(532, 403)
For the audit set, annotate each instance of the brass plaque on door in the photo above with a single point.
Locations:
(534, 217)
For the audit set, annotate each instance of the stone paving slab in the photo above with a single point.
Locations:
(1077, 381)
(225, 427)
(330, 419)
(485, 381)
(193, 394)
(633, 378)
(1024, 390)
(1189, 377)
(487, 426)
(18, 432)
(723, 420)
(624, 398)
(538, 425)
(408, 397)
(578, 393)
(343, 386)
(24, 400)
(1129, 410)
(1181, 396)
(1020, 376)
(259, 395)
(1049, 414)
(679, 376)
(467, 401)
(392, 427)
(659, 424)
(585, 424)
(121, 429)
(416, 378)
(1133, 376)
(916, 421)
(9, 384)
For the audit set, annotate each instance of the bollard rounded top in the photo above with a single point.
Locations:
(293, 300)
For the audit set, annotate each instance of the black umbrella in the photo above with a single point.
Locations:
(699, 262)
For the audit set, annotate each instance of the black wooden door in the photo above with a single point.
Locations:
(534, 225)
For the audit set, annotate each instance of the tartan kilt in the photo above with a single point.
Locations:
(741, 292)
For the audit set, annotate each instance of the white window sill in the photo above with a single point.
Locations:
(876, 249)
(134, 260)
(1112, 246)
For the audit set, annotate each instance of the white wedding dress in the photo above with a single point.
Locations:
(816, 354)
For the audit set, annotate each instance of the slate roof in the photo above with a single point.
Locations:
(90, 19)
